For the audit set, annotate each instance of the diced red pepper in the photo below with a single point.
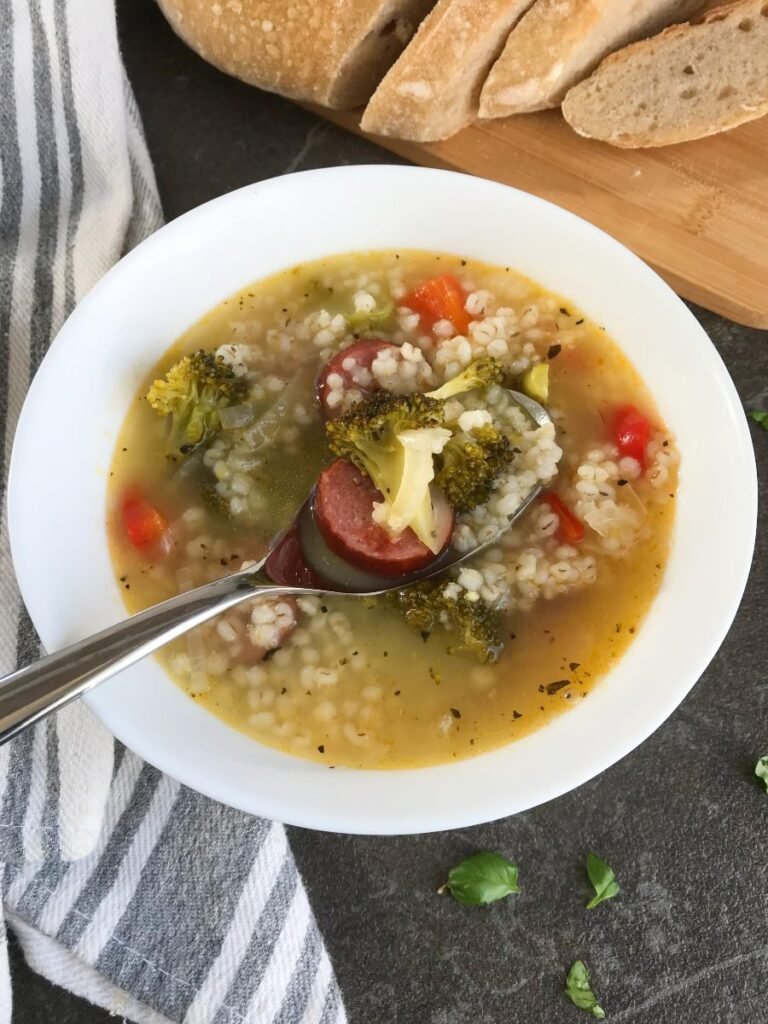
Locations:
(570, 530)
(631, 432)
(440, 298)
(143, 523)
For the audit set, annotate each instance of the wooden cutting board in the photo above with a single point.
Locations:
(697, 212)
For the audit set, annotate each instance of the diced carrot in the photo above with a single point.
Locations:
(570, 530)
(440, 298)
(631, 432)
(143, 523)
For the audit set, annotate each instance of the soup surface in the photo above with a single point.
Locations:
(345, 680)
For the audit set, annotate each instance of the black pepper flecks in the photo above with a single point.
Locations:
(321, 748)
(455, 712)
(552, 688)
(553, 351)
(516, 714)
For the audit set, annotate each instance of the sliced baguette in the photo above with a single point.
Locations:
(687, 82)
(433, 89)
(332, 52)
(557, 43)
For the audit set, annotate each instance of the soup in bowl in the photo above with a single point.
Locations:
(308, 306)
(300, 376)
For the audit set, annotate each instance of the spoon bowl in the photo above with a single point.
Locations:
(323, 568)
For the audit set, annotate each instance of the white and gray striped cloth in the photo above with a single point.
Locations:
(121, 885)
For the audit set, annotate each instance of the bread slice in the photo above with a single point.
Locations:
(557, 43)
(433, 89)
(687, 82)
(332, 52)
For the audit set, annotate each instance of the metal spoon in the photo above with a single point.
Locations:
(29, 694)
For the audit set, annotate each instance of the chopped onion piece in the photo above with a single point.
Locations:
(233, 417)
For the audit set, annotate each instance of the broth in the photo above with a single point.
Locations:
(352, 684)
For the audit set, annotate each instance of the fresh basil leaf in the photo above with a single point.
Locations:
(602, 879)
(482, 878)
(759, 417)
(761, 770)
(578, 991)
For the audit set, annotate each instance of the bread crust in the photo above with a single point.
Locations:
(331, 52)
(557, 43)
(433, 89)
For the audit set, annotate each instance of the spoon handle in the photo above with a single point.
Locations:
(33, 692)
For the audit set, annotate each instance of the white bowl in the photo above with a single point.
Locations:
(78, 399)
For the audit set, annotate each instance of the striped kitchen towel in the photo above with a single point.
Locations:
(120, 884)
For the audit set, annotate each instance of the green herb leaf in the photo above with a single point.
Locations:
(603, 880)
(482, 878)
(759, 417)
(761, 770)
(578, 991)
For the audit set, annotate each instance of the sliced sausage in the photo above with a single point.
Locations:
(344, 500)
(356, 376)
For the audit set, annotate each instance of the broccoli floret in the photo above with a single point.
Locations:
(475, 630)
(192, 393)
(470, 465)
(480, 374)
(393, 439)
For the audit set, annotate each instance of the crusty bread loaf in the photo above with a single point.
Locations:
(433, 89)
(687, 82)
(557, 43)
(332, 52)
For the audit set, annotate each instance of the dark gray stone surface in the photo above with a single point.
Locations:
(681, 820)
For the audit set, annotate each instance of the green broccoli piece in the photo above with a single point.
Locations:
(393, 439)
(480, 374)
(474, 628)
(192, 393)
(470, 465)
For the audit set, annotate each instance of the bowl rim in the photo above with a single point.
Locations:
(293, 783)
